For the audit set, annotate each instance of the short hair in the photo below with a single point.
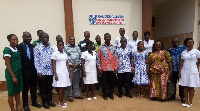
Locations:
(59, 41)
(46, 34)
(107, 34)
(97, 36)
(138, 44)
(58, 36)
(147, 32)
(135, 31)
(71, 37)
(121, 28)
(154, 45)
(123, 38)
(10, 36)
(39, 31)
(88, 43)
(186, 40)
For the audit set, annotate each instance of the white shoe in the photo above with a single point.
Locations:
(89, 99)
(189, 105)
(94, 97)
(184, 105)
(65, 105)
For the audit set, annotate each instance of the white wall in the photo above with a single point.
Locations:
(17, 16)
(132, 9)
(175, 17)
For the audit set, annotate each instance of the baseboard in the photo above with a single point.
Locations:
(3, 86)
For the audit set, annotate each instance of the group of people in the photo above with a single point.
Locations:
(144, 63)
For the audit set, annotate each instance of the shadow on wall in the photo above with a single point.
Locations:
(167, 40)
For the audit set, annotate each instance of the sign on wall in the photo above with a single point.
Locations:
(107, 19)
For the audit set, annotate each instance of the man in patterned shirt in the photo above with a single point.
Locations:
(43, 66)
(125, 67)
(175, 52)
(107, 63)
(74, 57)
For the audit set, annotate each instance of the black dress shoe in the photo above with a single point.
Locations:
(52, 104)
(153, 98)
(120, 96)
(163, 100)
(26, 108)
(105, 98)
(171, 98)
(129, 96)
(46, 106)
(183, 100)
(111, 97)
(37, 105)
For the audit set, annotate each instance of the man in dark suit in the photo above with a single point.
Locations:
(28, 71)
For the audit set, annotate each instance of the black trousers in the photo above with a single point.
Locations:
(108, 83)
(174, 78)
(46, 88)
(29, 81)
(124, 79)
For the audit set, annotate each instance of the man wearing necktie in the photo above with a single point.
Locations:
(28, 71)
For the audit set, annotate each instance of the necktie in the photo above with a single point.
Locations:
(28, 52)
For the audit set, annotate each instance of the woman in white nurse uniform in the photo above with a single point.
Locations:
(189, 71)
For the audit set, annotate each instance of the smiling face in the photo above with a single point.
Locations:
(45, 38)
(158, 46)
(14, 41)
(141, 46)
(175, 42)
(190, 44)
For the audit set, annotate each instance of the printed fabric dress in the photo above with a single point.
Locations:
(15, 62)
(159, 70)
(90, 67)
(61, 70)
(189, 71)
(141, 77)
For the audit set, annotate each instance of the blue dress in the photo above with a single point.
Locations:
(141, 76)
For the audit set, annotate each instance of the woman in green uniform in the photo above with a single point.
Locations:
(13, 72)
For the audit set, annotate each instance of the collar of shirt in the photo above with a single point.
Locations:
(59, 52)
(69, 45)
(44, 46)
(148, 41)
(135, 40)
(104, 44)
(26, 44)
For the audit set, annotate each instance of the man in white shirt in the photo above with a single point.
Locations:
(148, 44)
(117, 40)
(133, 43)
